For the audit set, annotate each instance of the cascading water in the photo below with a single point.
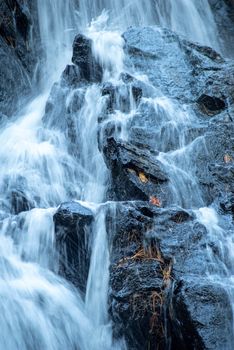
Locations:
(193, 19)
(39, 310)
(39, 167)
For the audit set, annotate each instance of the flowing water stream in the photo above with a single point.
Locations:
(38, 309)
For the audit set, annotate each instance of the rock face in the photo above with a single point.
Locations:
(72, 226)
(159, 298)
(135, 172)
(90, 69)
(224, 17)
(161, 254)
(202, 308)
(18, 51)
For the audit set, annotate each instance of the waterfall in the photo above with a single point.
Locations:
(58, 26)
(193, 19)
(38, 309)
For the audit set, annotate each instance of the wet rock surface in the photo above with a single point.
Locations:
(135, 172)
(202, 307)
(159, 258)
(72, 229)
(160, 254)
(83, 57)
(224, 17)
(19, 40)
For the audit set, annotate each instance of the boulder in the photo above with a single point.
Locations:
(138, 288)
(160, 254)
(83, 57)
(122, 96)
(204, 314)
(159, 258)
(13, 80)
(19, 50)
(136, 173)
(178, 68)
(214, 159)
(223, 12)
(20, 202)
(211, 105)
(73, 225)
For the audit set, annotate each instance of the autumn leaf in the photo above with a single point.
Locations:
(155, 201)
(143, 178)
(227, 158)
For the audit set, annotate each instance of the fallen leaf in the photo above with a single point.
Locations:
(143, 178)
(155, 201)
(227, 158)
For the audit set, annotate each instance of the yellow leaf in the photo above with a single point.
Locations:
(143, 178)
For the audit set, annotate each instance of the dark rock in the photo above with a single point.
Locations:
(19, 37)
(180, 69)
(71, 75)
(211, 105)
(214, 161)
(109, 90)
(72, 228)
(137, 304)
(138, 288)
(18, 195)
(20, 203)
(13, 80)
(148, 50)
(122, 96)
(159, 258)
(136, 174)
(227, 203)
(205, 315)
(63, 115)
(83, 57)
(223, 12)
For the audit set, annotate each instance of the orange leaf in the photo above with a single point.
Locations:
(155, 201)
(227, 158)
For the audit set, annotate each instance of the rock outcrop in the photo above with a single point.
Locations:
(19, 47)
(164, 262)
(73, 224)
(223, 12)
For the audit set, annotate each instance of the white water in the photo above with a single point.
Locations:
(191, 18)
(39, 310)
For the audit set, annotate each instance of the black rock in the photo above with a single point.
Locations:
(83, 57)
(119, 97)
(73, 224)
(19, 51)
(214, 160)
(20, 202)
(204, 314)
(180, 69)
(223, 12)
(138, 289)
(136, 174)
(227, 203)
(211, 105)
(71, 75)
(159, 258)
